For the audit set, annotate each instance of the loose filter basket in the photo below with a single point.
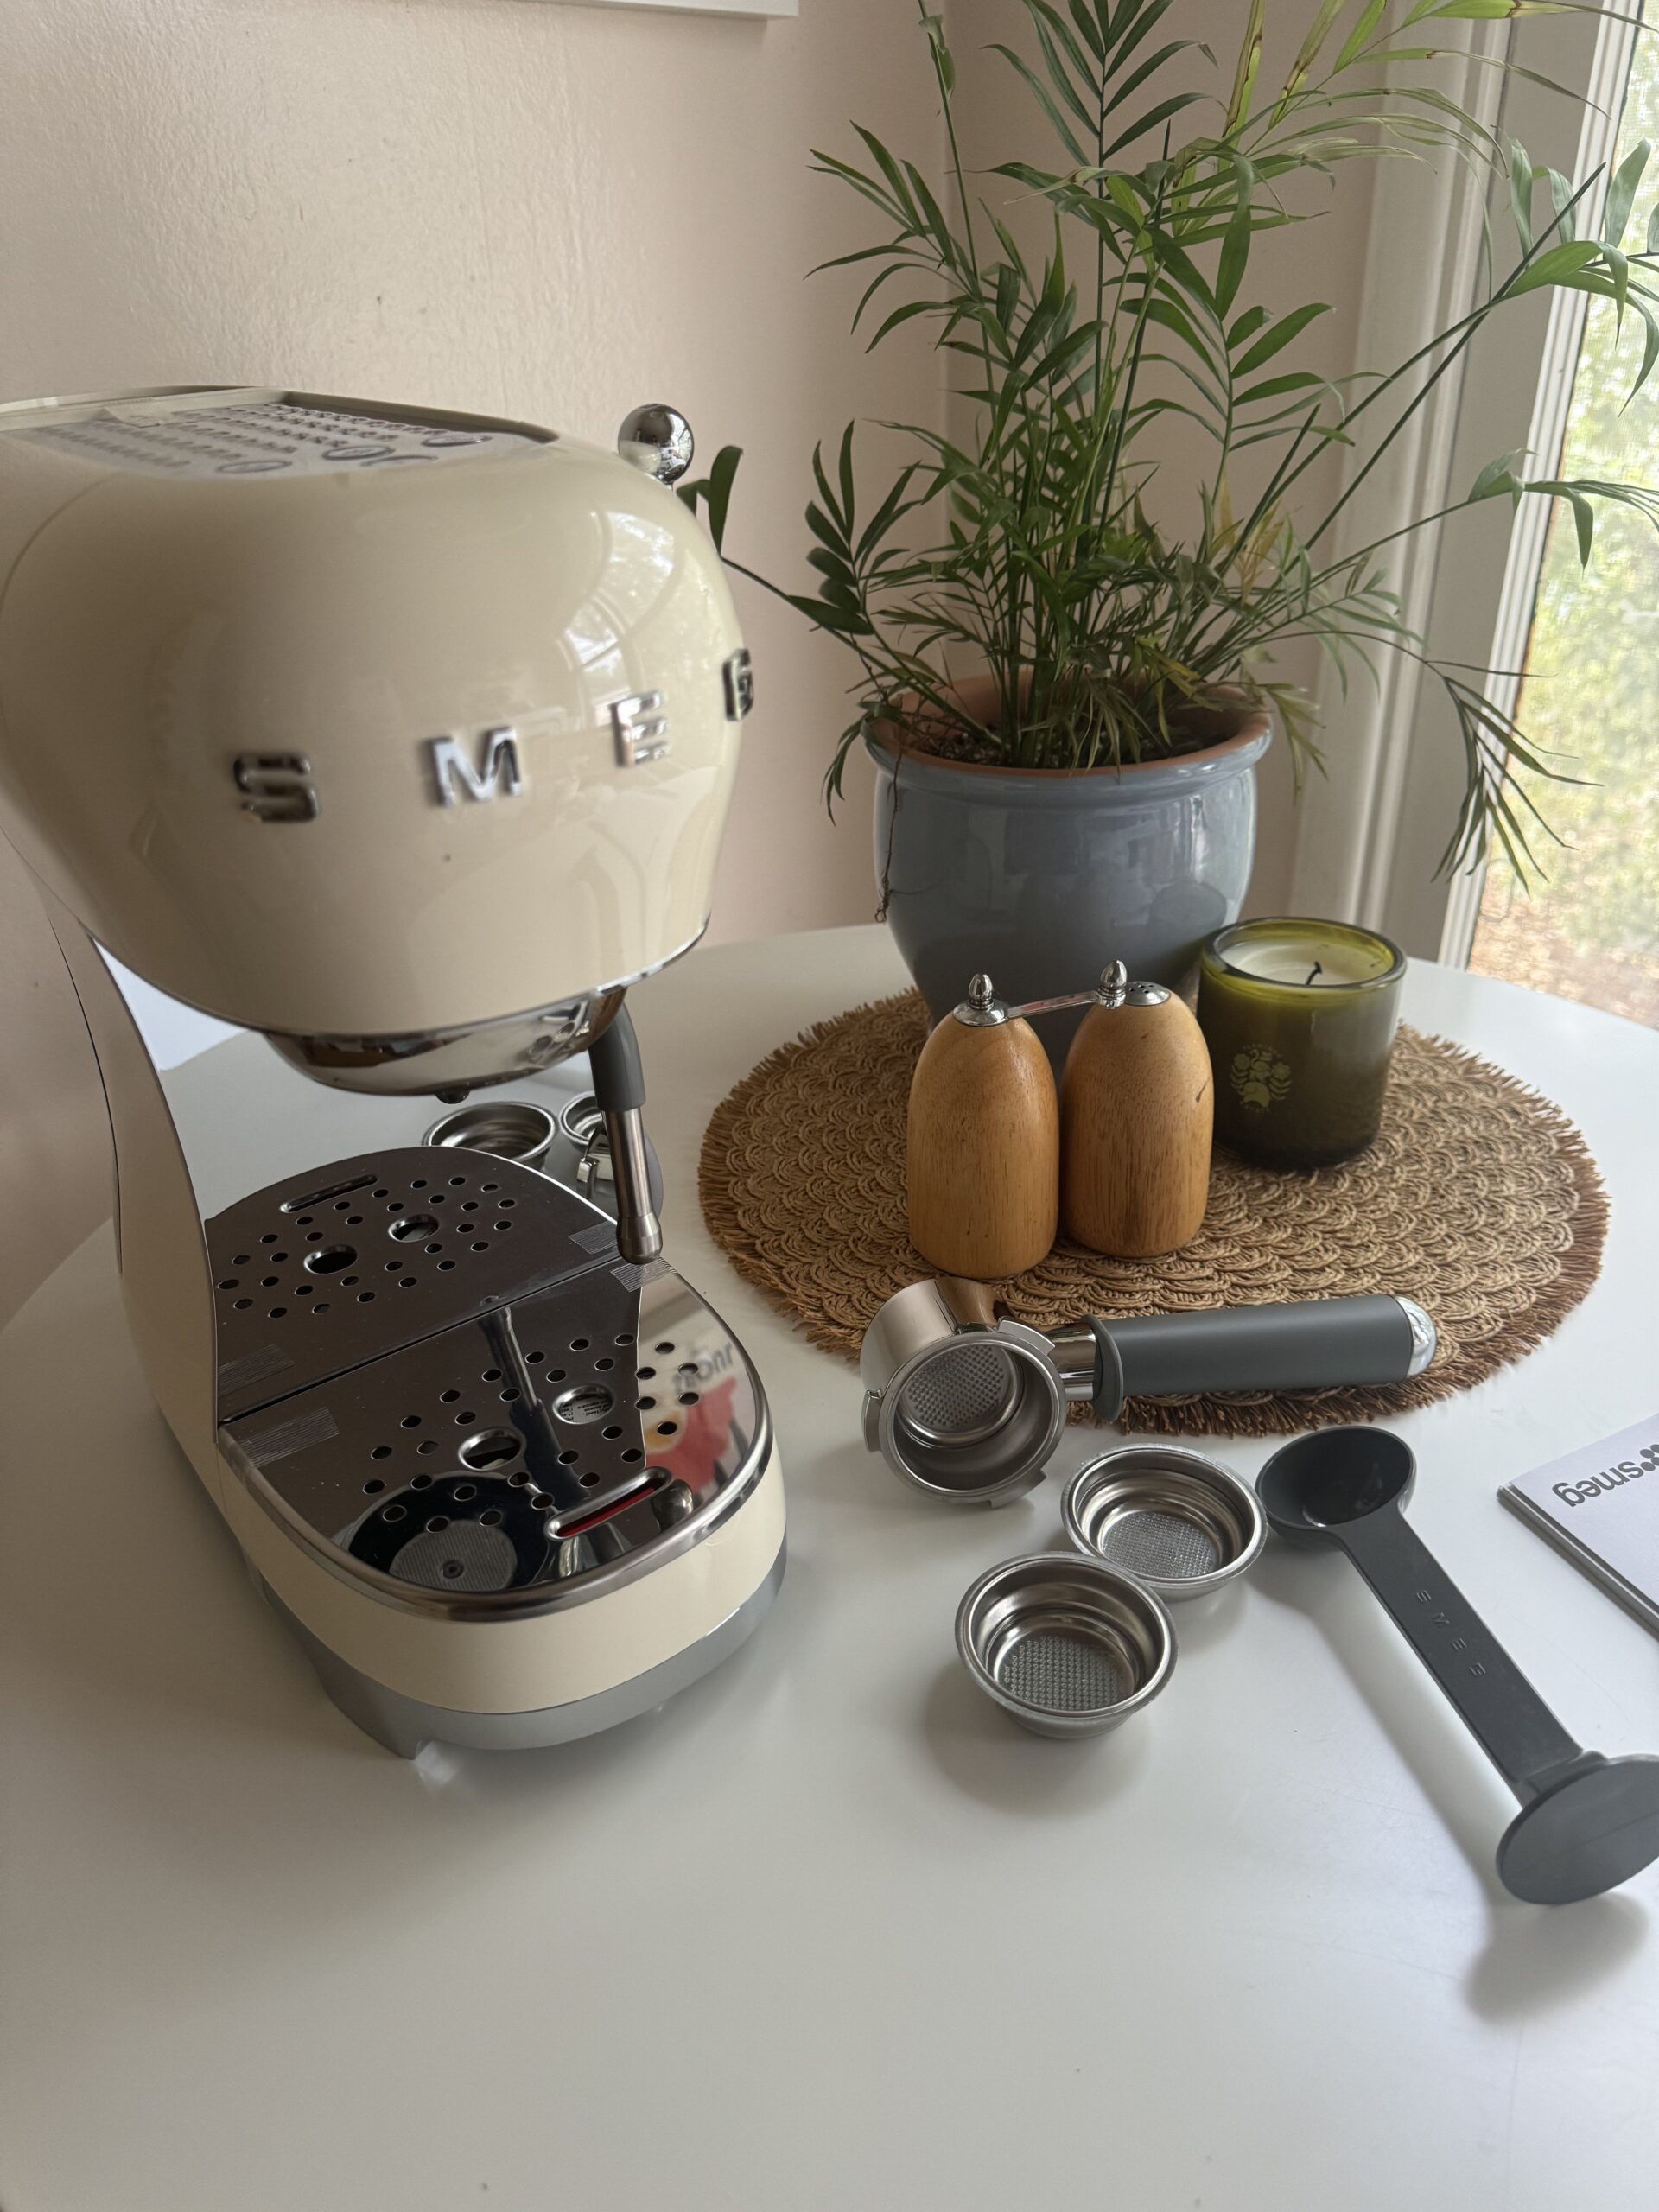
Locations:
(1071, 1644)
(1180, 1523)
(1066, 1645)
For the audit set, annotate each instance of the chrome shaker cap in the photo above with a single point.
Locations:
(982, 1008)
(1117, 989)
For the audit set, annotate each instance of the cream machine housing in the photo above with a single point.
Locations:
(406, 739)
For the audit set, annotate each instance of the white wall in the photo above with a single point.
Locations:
(550, 210)
(554, 212)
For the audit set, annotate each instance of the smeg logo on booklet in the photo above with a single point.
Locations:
(1615, 1478)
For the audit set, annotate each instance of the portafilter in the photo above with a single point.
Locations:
(968, 1405)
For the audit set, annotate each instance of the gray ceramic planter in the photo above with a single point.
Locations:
(1039, 878)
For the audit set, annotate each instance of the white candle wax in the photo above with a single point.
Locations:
(1290, 959)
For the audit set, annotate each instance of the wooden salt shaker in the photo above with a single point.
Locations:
(1136, 1110)
(983, 1143)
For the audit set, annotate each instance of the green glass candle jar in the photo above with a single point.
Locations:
(1299, 1018)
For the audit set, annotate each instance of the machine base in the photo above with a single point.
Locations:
(403, 1725)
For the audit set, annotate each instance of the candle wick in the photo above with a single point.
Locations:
(1319, 969)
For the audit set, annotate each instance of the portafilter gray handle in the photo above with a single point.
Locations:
(1315, 1344)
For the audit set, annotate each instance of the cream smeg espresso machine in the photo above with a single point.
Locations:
(406, 739)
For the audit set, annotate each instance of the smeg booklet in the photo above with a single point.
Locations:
(1600, 1507)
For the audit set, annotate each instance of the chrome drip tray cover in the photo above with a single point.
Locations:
(329, 1269)
(533, 1424)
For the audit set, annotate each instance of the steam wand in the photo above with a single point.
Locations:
(620, 1087)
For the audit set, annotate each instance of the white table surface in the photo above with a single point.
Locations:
(827, 1931)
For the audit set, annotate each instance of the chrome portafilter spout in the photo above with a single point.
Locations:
(968, 1405)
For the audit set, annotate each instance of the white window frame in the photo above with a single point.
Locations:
(1370, 832)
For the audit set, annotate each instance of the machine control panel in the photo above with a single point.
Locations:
(261, 435)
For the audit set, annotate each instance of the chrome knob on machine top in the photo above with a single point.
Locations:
(657, 439)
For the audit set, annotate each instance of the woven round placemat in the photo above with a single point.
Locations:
(1479, 1199)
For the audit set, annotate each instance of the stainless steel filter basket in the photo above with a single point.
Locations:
(966, 1412)
(1180, 1523)
(1066, 1645)
(512, 1128)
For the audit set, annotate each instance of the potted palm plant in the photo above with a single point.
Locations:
(1064, 697)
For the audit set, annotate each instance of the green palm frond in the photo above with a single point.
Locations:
(1022, 545)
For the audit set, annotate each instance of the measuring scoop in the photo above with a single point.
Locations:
(1586, 1822)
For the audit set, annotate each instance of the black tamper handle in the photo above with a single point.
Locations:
(1511, 1723)
(1310, 1345)
(1586, 1822)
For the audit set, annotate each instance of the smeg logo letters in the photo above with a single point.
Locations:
(282, 788)
(1615, 1478)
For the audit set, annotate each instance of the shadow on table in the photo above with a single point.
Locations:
(990, 1758)
(1539, 1956)
(1536, 1957)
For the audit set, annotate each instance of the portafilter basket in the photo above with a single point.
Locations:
(512, 1128)
(1067, 1646)
(1182, 1525)
(965, 1408)
(968, 1404)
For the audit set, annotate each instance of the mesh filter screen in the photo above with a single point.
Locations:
(1166, 1546)
(966, 1390)
(1064, 1670)
(464, 1556)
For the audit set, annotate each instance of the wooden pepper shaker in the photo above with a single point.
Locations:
(983, 1143)
(1136, 1110)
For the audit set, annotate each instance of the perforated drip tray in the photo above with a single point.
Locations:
(523, 1447)
(320, 1274)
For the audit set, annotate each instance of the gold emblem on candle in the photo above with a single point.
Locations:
(1259, 1078)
